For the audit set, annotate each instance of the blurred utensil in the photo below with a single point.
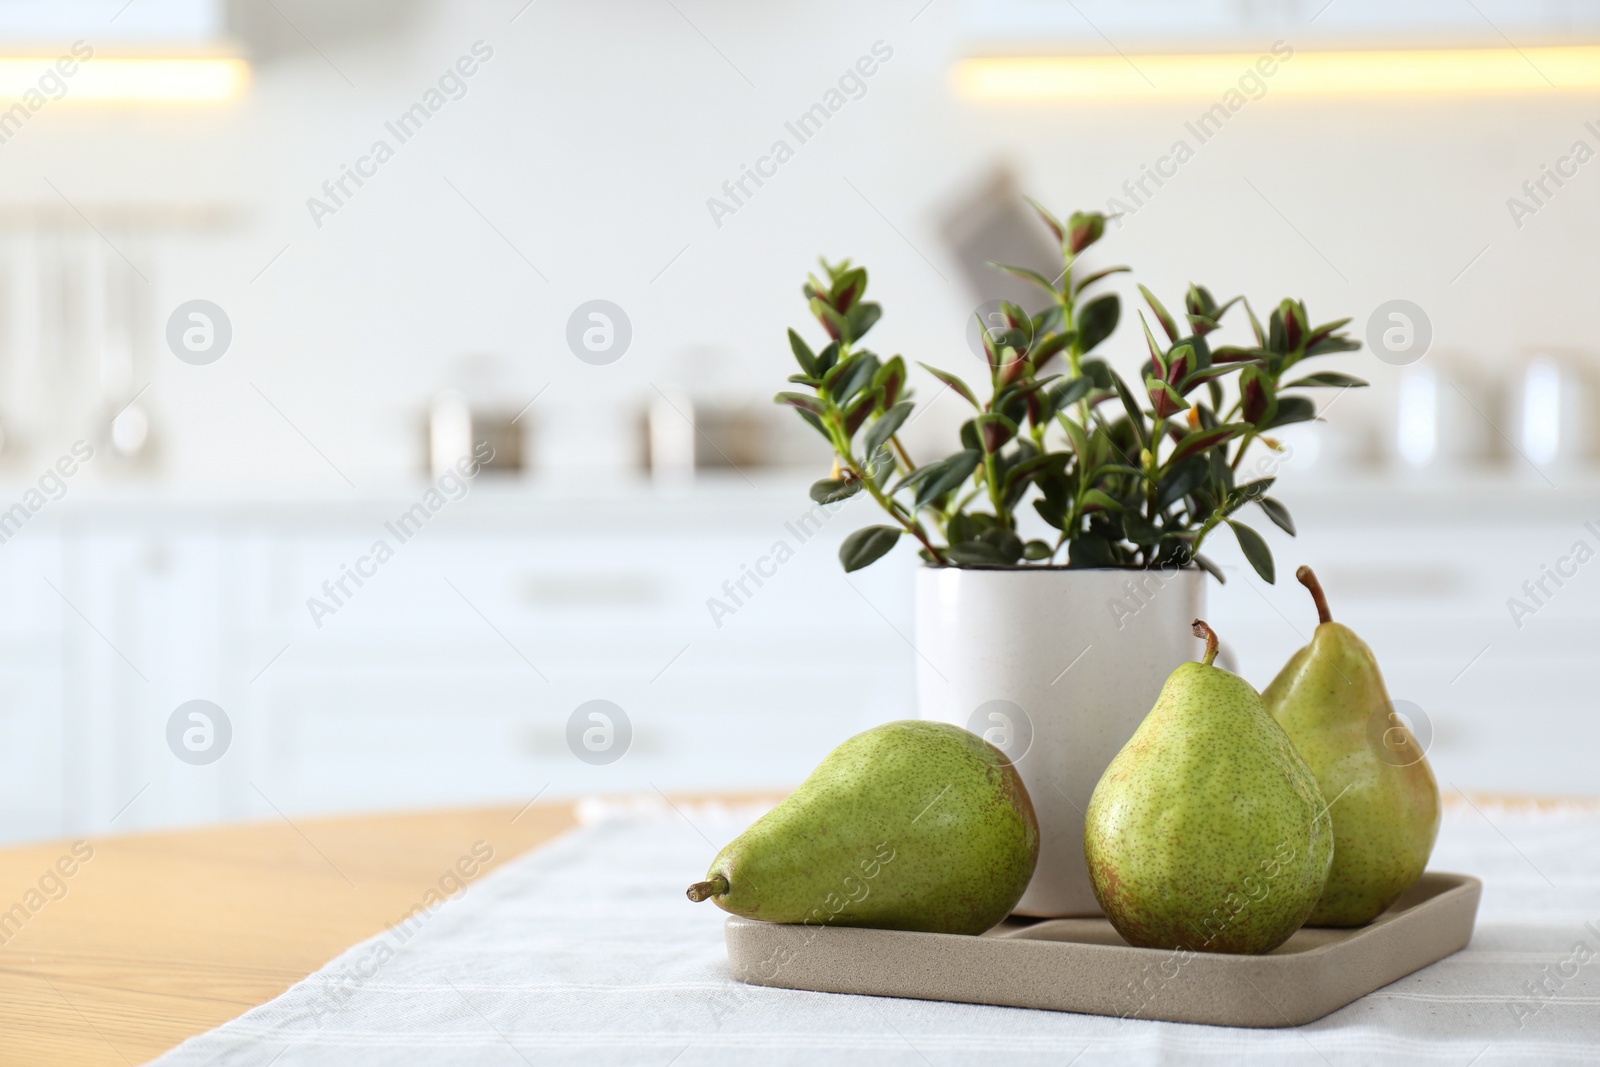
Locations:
(1554, 409)
(1440, 416)
(457, 430)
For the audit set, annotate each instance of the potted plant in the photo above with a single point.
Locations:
(1062, 537)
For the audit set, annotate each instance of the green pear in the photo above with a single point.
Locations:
(1207, 832)
(911, 825)
(1331, 701)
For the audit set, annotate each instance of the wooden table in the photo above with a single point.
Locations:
(165, 936)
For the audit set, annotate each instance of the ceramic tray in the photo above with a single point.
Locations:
(1082, 965)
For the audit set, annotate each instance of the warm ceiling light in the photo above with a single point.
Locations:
(1390, 73)
(167, 79)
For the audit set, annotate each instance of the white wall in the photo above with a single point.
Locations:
(592, 140)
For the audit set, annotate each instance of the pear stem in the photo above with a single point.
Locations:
(1309, 580)
(1205, 631)
(706, 890)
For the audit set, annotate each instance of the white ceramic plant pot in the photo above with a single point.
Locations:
(1057, 668)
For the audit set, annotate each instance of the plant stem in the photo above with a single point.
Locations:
(994, 489)
(834, 418)
(1244, 444)
(895, 511)
(905, 457)
(1151, 478)
(1210, 524)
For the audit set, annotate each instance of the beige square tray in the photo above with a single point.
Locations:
(1082, 965)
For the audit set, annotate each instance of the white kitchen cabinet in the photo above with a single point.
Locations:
(35, 755)
(1424, 575)
(449, 676)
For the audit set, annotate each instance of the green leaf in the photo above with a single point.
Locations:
(1020, 473)
(1097, 275)
(969, 435)
(1255, 550)
(1196, 441)
(1064, 394)
(1251, 490)
(857, 411)
(1084, 228)
(816, 424)
(1135, 417)
(1235, 354)
(1162, 315)
(827, 358)
(1323, 332)
(1179, 480)
(1296, 328)
(862, 318)
(1076, 437)
(1027, 275)
(1049, 219)
(803, 354)
(831, 320)
(1005, 541)
(1050, 513)
(867, 546)
(1097, 320)
(1333, 345)
(1157, 355)
(956, 471)
(1048, 346)
(1206, 374)
(947, 474)
(1089, 551)
(1184, 358)
(1155, 387)
(848, 285)
(995, 430)
(884, 426)
(808, 404)
(1037, 550)
(829, 490)
(880, 466)
(1255, 325)
(1097, 499)
(1098, 372)
(1292, 409)
(854, 375)
(975, 554)
(981, 524)
(1328, 379)
(1258, 396)
(955, 383)
(891, 378)
(1210, 568)
(1278, 514)
(1138, 530)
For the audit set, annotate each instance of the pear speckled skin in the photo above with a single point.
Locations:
(1385, 801)
(911, 825)
(1208, 832)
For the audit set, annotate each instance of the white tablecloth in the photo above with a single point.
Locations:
(586, 952)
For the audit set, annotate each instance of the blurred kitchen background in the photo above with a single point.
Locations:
(272, 339)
